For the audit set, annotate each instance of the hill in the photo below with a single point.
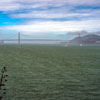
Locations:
(87, 39)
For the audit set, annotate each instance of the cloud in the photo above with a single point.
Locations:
(83, 32)
(62, 9)
(62, 2)
(7, 5)
(80, 19)
(58, 26)
(47, 14)
(40, 9)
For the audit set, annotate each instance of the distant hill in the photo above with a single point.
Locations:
(87, 39)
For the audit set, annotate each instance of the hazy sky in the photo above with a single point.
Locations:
(49, 16)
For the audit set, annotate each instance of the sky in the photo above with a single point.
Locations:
(49, 18)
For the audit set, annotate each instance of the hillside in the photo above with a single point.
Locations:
(87, 39)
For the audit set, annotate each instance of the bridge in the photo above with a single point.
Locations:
(19, 40)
